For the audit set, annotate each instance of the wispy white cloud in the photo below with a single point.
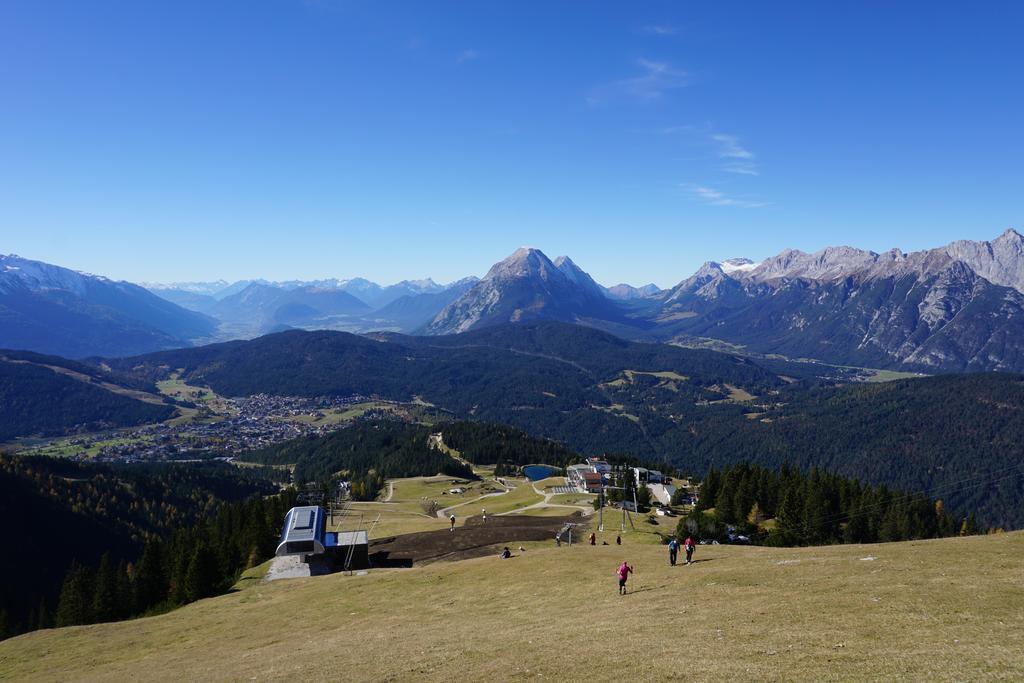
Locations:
(730, 147)
(734, 157)
(467, 56)
(742, 168)
(710, 195)
(659, 30)
(738, 158)
(654, 80)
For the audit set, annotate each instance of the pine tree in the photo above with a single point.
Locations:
(105, 593)
(815, 512)
(643, 497)
(789, 517)
(150, 584)
(709, 490)
(201, 579)
(178, 558)
(43, 617)
(7, 627)
(743, 498)
(75, 604)
(857, 529)
(890, 527)
(124, 596)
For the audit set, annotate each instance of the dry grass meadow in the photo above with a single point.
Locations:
(951, 609)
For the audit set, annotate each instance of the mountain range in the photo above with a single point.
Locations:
(49, 309)
(955, 308)
(951, 309)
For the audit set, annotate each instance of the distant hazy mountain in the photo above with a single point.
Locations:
(526, 286)
(372, 294)
(376, 296)
(49, 309)
(197, 295)
(263, 306)
(953, 308)
(201, 288)
(624, 292)
(413, 311)
(193, 301)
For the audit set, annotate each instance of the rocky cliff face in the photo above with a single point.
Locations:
(525, 286)
(954, 308)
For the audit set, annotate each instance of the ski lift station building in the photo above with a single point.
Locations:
(305, 534)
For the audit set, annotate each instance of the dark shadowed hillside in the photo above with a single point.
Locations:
(955, 437)
(38, 400)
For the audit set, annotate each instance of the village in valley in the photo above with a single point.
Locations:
(210, 426)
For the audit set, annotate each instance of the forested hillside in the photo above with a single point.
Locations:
(366, 454)
(64, 511)
(957, 435)
(583, 387)
(192, 563)
(36, 400)
(816, 508)
(454, 371)
(483, 443)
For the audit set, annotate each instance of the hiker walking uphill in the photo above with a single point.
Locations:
(689, 545)
(624, 571)
(673, 551)
(452, 520)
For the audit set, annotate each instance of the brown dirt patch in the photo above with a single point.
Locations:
(475, 538)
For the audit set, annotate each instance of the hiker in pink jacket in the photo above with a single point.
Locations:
(624, 571)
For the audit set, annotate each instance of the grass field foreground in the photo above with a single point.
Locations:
(950, 609)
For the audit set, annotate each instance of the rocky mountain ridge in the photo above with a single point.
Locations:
(953, 308)
(525, 286)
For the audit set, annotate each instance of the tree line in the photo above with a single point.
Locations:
(814, 508)
(38, 400)
(193, 563)
(365, 454)
(64, 511)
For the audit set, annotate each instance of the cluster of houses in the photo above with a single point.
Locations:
(247, 424)
(594, 474)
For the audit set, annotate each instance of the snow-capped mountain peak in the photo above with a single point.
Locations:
(737, 265)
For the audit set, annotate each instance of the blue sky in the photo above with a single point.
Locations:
(320, 138)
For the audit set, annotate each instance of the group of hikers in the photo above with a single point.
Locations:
(625, 569)
(673, 549)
